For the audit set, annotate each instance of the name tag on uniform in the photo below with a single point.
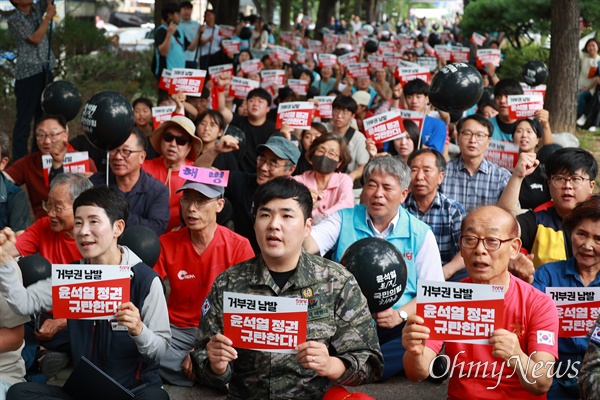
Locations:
(116, 327)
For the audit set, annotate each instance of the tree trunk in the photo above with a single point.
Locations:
(306, 8)
(286, 9)
(226, 11)
(268, 14)
(157, 10)
(326, 10)
(357, 7)
(561, 97)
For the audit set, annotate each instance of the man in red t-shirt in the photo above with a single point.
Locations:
(51, 134)
(518, 361)
(191, 258)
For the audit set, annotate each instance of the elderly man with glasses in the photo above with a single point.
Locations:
(51, 135)
(470, 179)
(191, 258)
(148, 198)
(518, 360)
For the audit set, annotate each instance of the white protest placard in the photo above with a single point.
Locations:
(271, 77)
(89, 291)
(187, 80)
(251, 66)
(299, 86)
(264, 323)
(165, 80)
(327, 60)
(460, 312)
(375, 62)
(478, 39)
(284, 54)
(505, 154)
(443, 52)
(161, 114)
(384, 127)
(410, 115)
(578, 308)
(75, 162)
(358, 70)
(460, 54)
(240, 87)
(532, 90)
(391, 59)
(325, 109)
(231, 46)
(524, 106)
(226, 31)
(431, 63)
(348, 58)
(486, 56)
(217, 70)
(406, 75)
(297, 114)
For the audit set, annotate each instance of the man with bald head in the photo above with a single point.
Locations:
(518, 360)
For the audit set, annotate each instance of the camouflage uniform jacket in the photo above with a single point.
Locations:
(589, 375)
(338, 316)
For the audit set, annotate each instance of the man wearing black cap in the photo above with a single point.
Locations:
(256, 126)
(277, 157)
(191, 258)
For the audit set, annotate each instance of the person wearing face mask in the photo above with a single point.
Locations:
(331, 189)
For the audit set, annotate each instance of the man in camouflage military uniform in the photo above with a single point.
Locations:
(589, 375)
(341, 346)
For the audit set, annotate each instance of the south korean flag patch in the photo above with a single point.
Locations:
(205, 307)
(595, 335)
(545, 337)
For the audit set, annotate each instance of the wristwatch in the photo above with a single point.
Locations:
(403, 315)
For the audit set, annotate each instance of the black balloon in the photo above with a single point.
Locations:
(62, 98)
(245, 33)
(371, 46)
(534, 73)
(107, 120)
(143, 242)
(457, 87)
(379, 269)
(34, 268)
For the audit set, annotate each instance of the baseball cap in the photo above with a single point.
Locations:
(283, 148)
(210, 191)
(362, 98)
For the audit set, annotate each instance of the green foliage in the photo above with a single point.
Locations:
(517, 19)
(76, 37)
(514, 59)
(6, 66)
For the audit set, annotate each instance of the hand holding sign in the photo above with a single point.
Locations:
(220, 353)
(58, 150)
(415, 335)
(506, 346)
(315, 356)
(129, 316)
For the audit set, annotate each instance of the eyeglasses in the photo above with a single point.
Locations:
(343, 112)
(271, 165)
(43, 136)
(479, 136)
(180, 140)
(490, 243)
(125, 153)
(576, 181)
(57, 210)
(198, 202)
(320, 151)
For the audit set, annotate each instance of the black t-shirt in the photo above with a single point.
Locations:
(509, 129)
(255, 135)
(302, 165)
(240, 192)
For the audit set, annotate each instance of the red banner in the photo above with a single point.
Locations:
(231, 46)
(161, 114)
(324, 110)
(188, 81)
(299, 86)
(521, 106)
(578, 308)
(75, 162)
(486, 56)
(384, 127)
(217, 70)
(240, 87)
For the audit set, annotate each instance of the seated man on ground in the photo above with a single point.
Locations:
(341, 346)
(192, 257)
(380, 215)
(524, 347)
(130, 357)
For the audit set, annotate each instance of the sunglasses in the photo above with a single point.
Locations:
(180, 140)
